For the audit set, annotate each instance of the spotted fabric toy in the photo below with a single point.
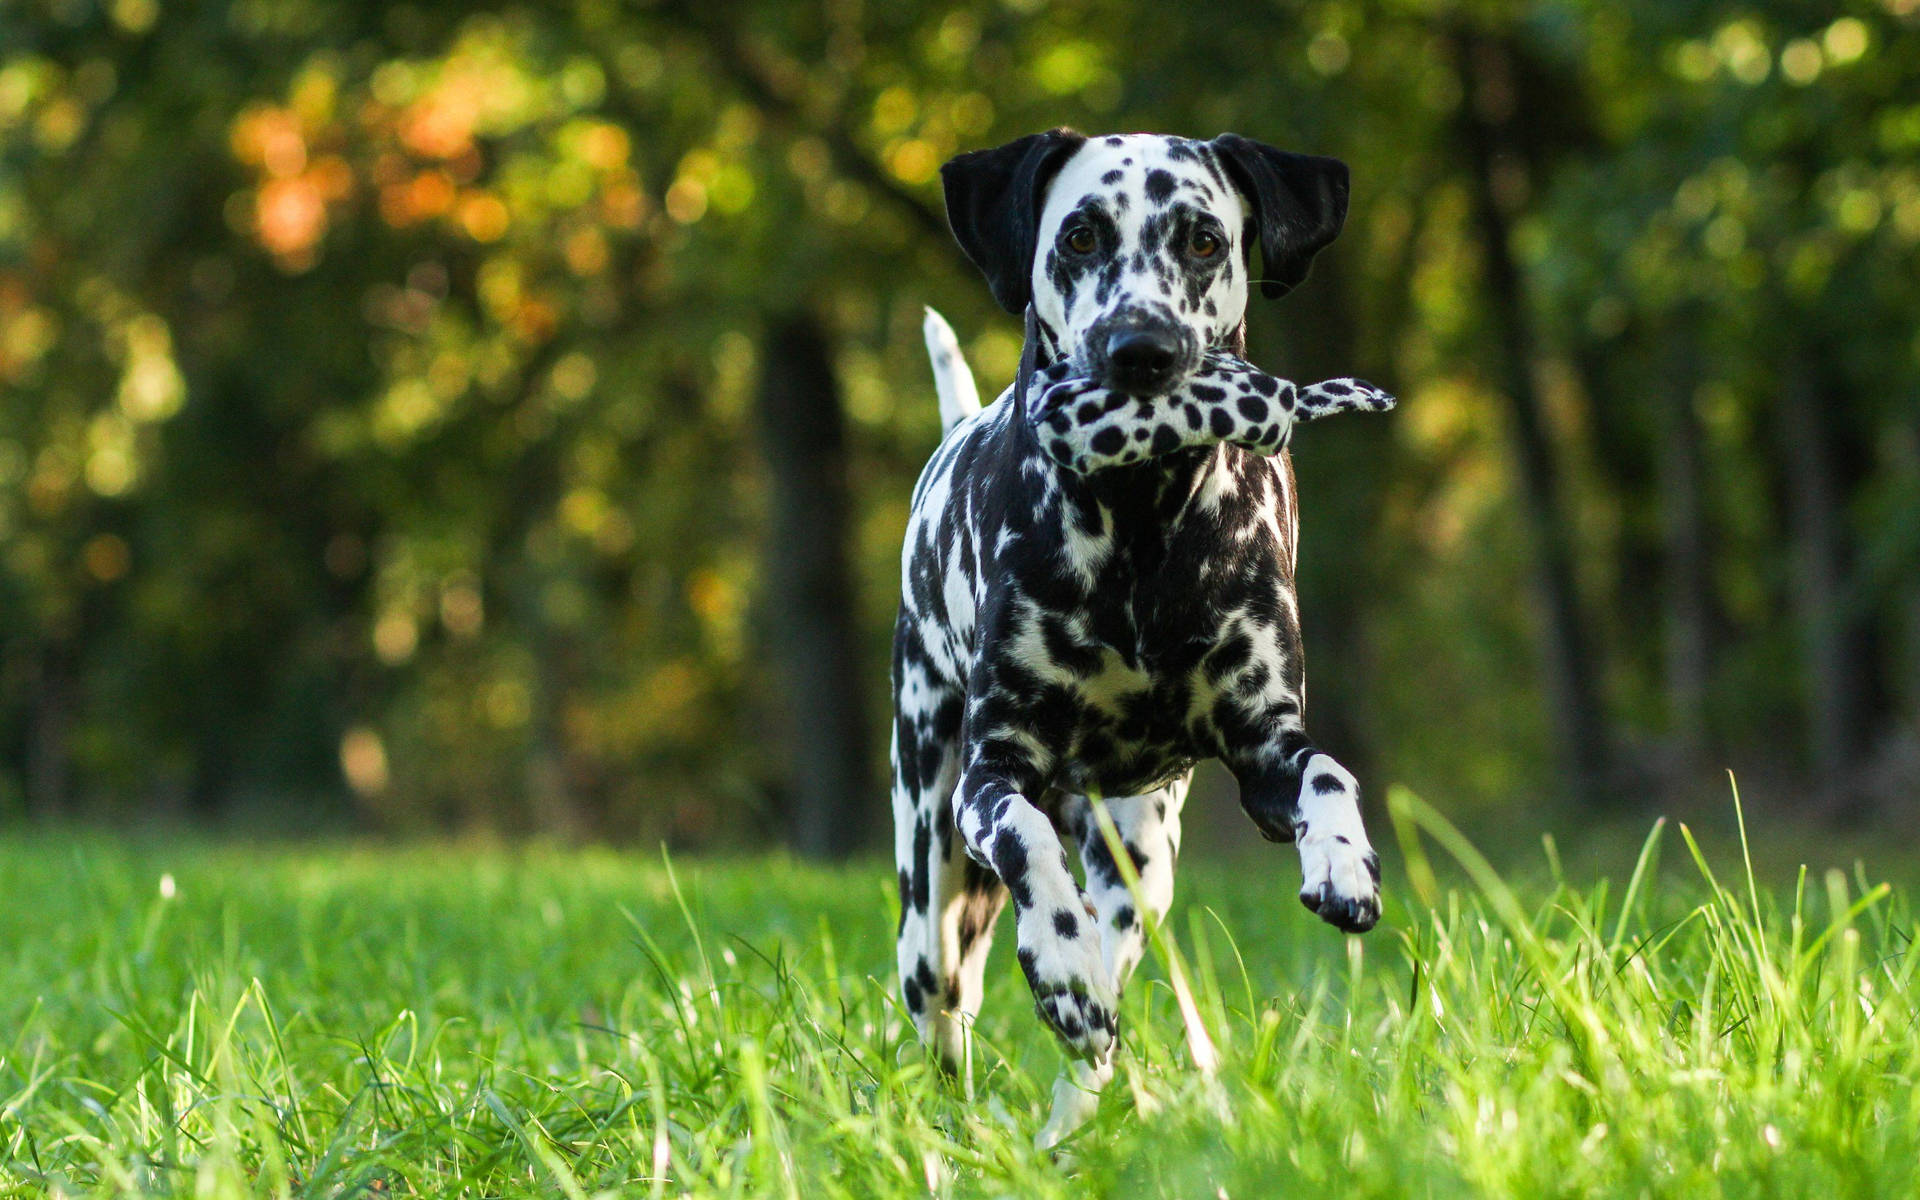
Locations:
(1085, 427)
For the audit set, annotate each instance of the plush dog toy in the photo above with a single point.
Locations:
(1086, 427)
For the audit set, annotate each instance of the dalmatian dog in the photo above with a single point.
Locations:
(1097, 578)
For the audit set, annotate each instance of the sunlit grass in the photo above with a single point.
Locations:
(221, 1020)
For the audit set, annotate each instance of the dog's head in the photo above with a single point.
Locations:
(1135, 251)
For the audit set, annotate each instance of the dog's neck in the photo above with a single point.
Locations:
(1037, 351)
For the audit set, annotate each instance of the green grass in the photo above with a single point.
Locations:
(444, 1021)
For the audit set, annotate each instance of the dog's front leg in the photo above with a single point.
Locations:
(1296, 793)
(1059, 945)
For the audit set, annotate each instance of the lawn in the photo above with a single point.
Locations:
(185, 1018)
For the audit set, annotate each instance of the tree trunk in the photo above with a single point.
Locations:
(1838, 682)
(49, 782)
(1498, 176)
(809, 598)
(553, 800)
(1688, 649)
(1908, 685)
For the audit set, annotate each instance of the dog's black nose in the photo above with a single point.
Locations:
(1142, 354)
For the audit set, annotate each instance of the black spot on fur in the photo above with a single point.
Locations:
(1066, 650)
(1229, 656)
(922, 851)
(1159, 185)
(1099, 863)
(1326, 785)
(1010, 861)
(1066, 924)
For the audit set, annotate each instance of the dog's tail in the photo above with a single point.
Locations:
(959, 399)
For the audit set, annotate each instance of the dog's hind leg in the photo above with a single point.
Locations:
(948, 905)
(1149, 829)
(923, 777)
(948, 902)
(967, 901)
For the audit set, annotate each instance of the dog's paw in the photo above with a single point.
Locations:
(1060, 953)
(1340, 880)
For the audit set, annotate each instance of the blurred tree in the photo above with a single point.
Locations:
(812, 606)
(400, 419)
(1518, 115)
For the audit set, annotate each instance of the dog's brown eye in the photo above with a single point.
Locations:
(1203, 244)
(1080, 240)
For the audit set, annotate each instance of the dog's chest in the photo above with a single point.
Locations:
(1139, 713)
(1130, 696)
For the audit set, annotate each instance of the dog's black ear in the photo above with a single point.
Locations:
(1299, 203)
(993, 205)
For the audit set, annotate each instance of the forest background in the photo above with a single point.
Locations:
(501, 417)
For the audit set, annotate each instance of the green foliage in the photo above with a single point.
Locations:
(188, 1019)
(375, 416)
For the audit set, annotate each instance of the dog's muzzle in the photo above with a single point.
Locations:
(1140, 353)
